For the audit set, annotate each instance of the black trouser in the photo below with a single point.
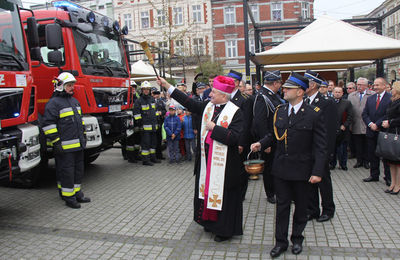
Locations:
(360, 142)
(132, 146)
(148, 144)
(286, 192)
(69, 171)
(244, 175)
(352, 145)
(325, 188)
(158, 144)
(375, 160)
(268, 178)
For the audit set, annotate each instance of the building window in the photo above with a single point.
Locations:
(144, 17)
(277, 37)
(163, 45)
(198, 46)
(196, 13)
(305, 10)
(276, 11)
(128, 21)
(231, 49)
(254, 11)
(252, 45)
(101, 7)
(160, 18)
(179, 47)
(178, 16)
(229, 15)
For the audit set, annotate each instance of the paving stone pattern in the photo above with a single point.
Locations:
(141, 212)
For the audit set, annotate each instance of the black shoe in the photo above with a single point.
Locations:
(366, 165)
(311, 217)
(271, 200)
(220, 238)
(394, 192)
(83, 200)
(331, 167)
(297, 248)
(358, 165)
(388, 183)
(388, 190)
(344, 168)
(370, 179)
(324, 218)
(277, 251)
(148, 163)
(73, 204)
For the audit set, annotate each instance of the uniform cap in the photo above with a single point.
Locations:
(235, 75)
(224, 84)
(314, 76)
(272, 75)
(296, 80)
(200, 85)
(172, 107)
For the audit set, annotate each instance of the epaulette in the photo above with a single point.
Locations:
(244, 95)
(280, 105)
(317, 109)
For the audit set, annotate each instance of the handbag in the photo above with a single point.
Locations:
(388, 146)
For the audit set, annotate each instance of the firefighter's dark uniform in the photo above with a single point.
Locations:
(160, 112)
(65, 131)
(144, 113)
(131, 145)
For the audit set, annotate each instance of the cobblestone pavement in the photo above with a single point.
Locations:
(140, 212)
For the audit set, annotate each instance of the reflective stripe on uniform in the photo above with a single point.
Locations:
(67, 192)
(145, 152)
(74, 143)
(152, 150)
(136, 147)
(66, 112)
(153, 105)
(79, 109)
(145, 107)
(51, 143)
(130, 148)
(138, 116)
(147, 127)
(59, 185)
(158, 113)
(77, 187)
(50, 129)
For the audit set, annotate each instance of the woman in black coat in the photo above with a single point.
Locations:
(392, 124)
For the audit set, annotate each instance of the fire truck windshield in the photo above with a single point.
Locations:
(12, 50)
(100, 53)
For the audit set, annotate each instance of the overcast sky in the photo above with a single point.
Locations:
(340, 9)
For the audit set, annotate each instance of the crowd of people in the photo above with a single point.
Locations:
(302, 129)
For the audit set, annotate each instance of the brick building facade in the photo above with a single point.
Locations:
(228, 26)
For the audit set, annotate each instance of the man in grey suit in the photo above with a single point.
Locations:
(358, 100)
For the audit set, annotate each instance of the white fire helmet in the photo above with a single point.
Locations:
(145, 84)
(62, 79)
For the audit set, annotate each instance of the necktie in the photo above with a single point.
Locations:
(378, 100)
(291, 116)
(361, 95)
(307, 100)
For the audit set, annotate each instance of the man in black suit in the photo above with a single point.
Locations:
(300, 156)
(329, 114)
(245, 103)
(264, 107)
(373, 115)
(344, 120)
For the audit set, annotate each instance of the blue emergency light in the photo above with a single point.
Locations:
(64, 4)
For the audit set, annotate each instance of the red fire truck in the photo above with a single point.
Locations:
(90, 46)
(19, 136)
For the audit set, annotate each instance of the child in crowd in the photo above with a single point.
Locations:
(172, 126)
(181, 113)
(188, 135)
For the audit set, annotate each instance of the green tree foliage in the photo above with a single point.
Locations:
(208, 68)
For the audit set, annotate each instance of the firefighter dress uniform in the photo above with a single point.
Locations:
(65, 132)
(144, 113)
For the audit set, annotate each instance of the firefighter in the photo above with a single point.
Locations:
(160, 112)
(65, 131)
(145, 116)
(131, 145)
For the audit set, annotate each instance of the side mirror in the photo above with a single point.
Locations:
(32, 32)
(35, 54)
(53, 36)
(55, 57)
